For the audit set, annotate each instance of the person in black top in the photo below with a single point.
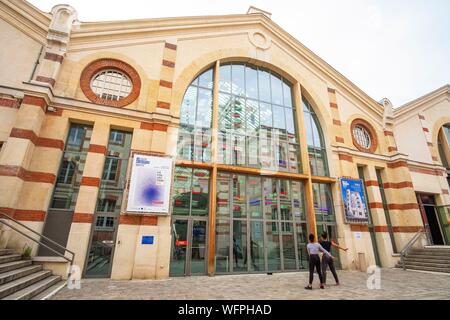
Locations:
(326, 261)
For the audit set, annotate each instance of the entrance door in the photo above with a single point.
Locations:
(99, 261)
(189, 247)
(430, 218)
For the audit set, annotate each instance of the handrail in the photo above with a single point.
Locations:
(70, 260)
(409, 245)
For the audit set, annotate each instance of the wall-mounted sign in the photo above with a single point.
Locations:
(148, 240)
(150, 185)
(354, 201)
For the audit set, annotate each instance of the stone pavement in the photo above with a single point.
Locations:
(395, 284)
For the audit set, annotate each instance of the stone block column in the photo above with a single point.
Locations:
(83, 217)
(382, 234)
(402, 202)
(15, 170)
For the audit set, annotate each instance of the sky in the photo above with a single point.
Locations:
(398, 49)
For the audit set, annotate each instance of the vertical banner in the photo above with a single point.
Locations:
(150, 184)
(354, 200)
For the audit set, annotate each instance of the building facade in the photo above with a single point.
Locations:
(259, 127)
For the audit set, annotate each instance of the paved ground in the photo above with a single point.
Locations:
(395, 284)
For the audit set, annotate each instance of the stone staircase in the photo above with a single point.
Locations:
(22, 280)
(432, 258)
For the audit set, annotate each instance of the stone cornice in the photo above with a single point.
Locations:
(27, 18)
(127, 114)
(372, 156)
(414, 106)
(132, 30)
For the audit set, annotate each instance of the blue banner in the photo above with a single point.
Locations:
(354, 200)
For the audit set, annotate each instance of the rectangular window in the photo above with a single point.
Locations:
(72, 167)
(191, 192)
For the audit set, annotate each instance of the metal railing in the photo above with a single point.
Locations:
(41, 236)
(422, 232)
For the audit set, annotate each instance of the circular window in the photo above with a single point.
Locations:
(111, 85)
(110, 82)
(363, 135)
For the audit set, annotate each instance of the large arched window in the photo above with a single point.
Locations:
(256, 120)
(316, 145)
(258, 208)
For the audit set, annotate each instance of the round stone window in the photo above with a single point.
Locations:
(364, 136)
(110, 82)
(111, 85)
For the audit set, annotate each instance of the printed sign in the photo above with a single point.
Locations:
(355, 206)
(148, 240)
(150, 185)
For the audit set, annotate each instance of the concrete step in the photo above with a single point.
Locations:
(19, 284)
(431, 252)
(18, 273)
(10, 258)
(421, 259)
(34, 289)
(5, 252)
(427, 256)
(432, 269)
(47, 294)
(428, 264)
(5, 267)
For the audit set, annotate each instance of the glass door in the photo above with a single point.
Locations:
(189, 247)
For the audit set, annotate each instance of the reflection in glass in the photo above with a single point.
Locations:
(182, 191)
(109, 204)
(238, 76)
(264, 85)
(270, 199)
(179, 248)
(302, 235)
(257, 246)
(223, 245)
(316, 147)
(198, 247)
(287, 237)
(251, 78)
(239, 196)
(200, 193)
(254, 197)
(72, 167)
(239, 245)
(196, 120)
(277, 89)
(223, 194)
(273, 247)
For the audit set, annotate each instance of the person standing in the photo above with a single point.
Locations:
(326, 260)
(314, 260)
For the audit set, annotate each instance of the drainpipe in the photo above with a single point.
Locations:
(37, 63)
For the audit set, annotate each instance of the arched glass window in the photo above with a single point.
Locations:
(316, 145)
(194, 141)
(256, 119)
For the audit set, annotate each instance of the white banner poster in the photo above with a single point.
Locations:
(150, 185)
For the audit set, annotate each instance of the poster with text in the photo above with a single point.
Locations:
(354, 200)
(150, 185)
